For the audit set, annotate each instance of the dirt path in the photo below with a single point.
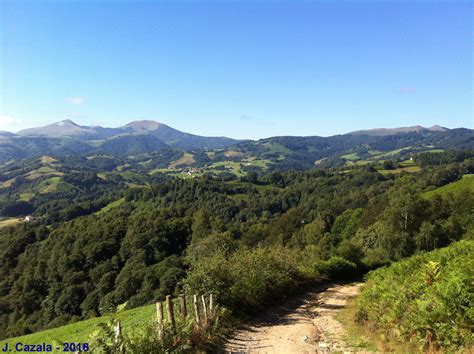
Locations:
(304, 325)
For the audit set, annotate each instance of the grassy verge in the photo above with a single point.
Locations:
(361, 338)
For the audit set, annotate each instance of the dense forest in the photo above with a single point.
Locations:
(249, 240)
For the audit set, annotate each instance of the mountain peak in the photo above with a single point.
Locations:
(63, 128)
(437, 128)
(143, 125)
(66, 122)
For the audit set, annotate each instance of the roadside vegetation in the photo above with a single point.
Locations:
(427, 299)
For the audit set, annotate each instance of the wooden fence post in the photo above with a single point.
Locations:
(211, 304)
(169, 307)
(118, 340)
(204, 306)
(196, 308)
(183, 307)
(159, 318)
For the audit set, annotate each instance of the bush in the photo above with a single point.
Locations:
(427, 299)
(336, 268)
(248, 279)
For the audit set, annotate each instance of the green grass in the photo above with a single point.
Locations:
(79, 332)
(374, 152)
(350, 157)
(233, 165)
(465, 183)
(407, 163)
(263, 163)
(26, 197)
(46, 169)
(362, 338)
(10, 222)
(40, 172)
(49, 185)
(132, 321)
(317, 162)
(47, 159)
(185, 160)
(401, 169)
(276, 148)
(233, 153)
(391, 153)
(133, 177)
(159, 170)
(362, 162)
(7, 183)
(114, 204)
(259, 187)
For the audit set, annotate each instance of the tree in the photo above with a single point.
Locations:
(388, 165)
(201, 225)
(252, 177)
(18, 208)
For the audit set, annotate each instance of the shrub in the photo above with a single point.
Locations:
(336, 268)
(248, 279)
(427, 299)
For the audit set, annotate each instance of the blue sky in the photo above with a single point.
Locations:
(245, 69)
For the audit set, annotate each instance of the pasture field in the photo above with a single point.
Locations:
(80, 332)
(465, 183)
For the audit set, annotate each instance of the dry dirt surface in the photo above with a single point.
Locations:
(306, 324)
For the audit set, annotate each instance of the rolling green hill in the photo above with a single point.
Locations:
(80, 332)
(465, 183)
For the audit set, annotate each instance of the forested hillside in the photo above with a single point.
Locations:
(248, 240)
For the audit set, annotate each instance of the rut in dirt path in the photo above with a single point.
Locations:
(306, 324)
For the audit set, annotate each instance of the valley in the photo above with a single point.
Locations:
(148, 225)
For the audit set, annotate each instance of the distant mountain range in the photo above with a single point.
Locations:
(171, 136)
(143, 137)
(166, 134)
(392, 131)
